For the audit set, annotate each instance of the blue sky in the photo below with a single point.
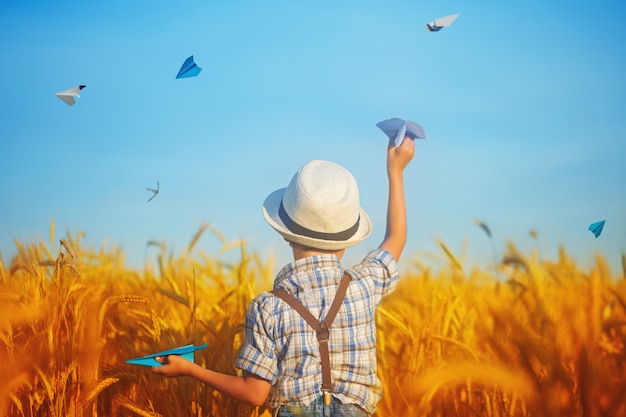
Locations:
(523, 104)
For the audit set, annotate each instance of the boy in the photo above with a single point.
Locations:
(319, 214)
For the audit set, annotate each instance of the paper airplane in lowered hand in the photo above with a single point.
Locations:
(397, 129)
(186, 352)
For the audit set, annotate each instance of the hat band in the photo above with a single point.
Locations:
(303, 231)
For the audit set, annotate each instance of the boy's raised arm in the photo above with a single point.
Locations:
(397, 159)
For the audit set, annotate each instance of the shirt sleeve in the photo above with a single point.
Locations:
(258, 355)
(379, 268)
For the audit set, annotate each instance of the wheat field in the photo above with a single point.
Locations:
(543, 338)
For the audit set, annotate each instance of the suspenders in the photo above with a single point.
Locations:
(322, 328)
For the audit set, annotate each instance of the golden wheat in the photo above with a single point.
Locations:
(549, 340)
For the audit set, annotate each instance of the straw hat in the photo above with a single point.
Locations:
(319, 208)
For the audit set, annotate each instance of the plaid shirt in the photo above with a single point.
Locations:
(283, 349)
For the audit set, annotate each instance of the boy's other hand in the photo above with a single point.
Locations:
(172, 366)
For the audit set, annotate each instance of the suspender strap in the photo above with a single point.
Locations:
(322, 328)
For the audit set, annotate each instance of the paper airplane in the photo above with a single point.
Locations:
(68, 95)
(441, 22)
(154, 190)
(189, 69)
(596, 228)
(184, 351)
(397, 129)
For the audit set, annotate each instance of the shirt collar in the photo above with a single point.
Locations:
(299, 273)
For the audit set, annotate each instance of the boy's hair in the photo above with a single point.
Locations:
(309, 248)
(319, 208)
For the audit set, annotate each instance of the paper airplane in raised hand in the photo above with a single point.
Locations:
(69, 94)
(397, 129)
(596, 228)
(189, 69)
(154, 190)
(186, 352)
(441, 22)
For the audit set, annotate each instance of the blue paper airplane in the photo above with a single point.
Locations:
(189, 69)
(596, 228)
(397, 129)
(184, 351)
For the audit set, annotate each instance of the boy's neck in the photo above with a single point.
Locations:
(300, 251)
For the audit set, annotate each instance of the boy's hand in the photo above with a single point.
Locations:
(398, 157)
(173, 365)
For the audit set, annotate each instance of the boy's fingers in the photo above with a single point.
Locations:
(408, 143)
(163, 361)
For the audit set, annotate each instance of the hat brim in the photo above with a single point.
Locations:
(271, 206)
